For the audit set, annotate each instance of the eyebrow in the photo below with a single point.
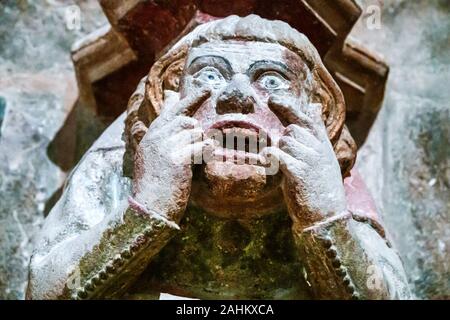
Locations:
(267, 64)
(197, 64)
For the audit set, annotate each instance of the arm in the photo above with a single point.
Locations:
(122, 254)
(97, 241)
(348, 259)
(344, 256)
(93, 243)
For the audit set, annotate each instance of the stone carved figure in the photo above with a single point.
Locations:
(138, 216)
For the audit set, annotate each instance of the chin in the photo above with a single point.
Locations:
(236, 191)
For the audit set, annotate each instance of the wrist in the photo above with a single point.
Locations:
(319, 225)
(162, 201)
(142, 210)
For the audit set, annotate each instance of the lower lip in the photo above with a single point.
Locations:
(237, 156)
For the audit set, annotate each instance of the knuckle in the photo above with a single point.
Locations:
(186, 122)
(292, 127)
(291, 130)
(286, 140)
(282, 142)
(287, 149)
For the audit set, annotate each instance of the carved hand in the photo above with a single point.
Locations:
(163, 168)
(313, 187)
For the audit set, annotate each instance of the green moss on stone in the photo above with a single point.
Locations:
(218, 258)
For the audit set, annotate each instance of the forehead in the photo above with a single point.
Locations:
(242, 54)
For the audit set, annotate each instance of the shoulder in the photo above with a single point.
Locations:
(104, 158)
(94, 191)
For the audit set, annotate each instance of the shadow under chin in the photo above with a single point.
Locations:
(233, 191)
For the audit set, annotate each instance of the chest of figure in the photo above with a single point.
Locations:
(215, 258)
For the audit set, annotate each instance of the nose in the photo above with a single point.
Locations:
(237, 97)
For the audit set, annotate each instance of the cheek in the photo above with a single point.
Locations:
(268, 120)
(266, 117)
(206, 114)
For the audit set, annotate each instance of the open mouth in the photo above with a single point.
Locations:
(238, 141)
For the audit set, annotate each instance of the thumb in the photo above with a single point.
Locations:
(170, 98)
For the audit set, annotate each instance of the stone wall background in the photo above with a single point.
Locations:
(37, 89)
(405, 160)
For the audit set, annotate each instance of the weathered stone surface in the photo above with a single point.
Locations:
(245, 90)
(406, 159)
(149, 27)
(38, 87)
(404, 162)
(2, 112)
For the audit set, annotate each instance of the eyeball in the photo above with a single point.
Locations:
(273, 81)
(210, 76)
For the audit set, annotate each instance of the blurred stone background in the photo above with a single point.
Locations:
(405, 161)
(37, 91)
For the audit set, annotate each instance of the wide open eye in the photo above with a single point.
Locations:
(210, 76)
(273, 81)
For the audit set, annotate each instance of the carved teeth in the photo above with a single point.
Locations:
(242, 139)
(239, 157)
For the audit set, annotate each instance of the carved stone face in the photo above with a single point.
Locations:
(242, 76)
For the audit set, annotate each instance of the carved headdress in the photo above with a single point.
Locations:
(165, 74)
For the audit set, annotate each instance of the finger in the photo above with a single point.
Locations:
(302, 135)
(289, 143)
(170, 125)
(186, 137)
(306, 142)
(202, 150)
(171, 98)
(289, 112)
(181, 123)
(194, 153)
(297, 150)
(189, 105)
(316, 111)
(286, 162)
(316, 114)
